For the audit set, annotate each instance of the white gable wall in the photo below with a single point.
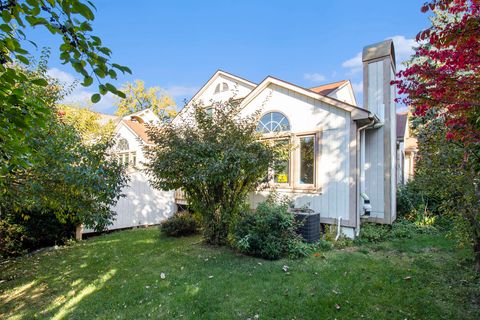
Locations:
(235, 89)
(206, 95)
(134, 143)
(306, 114)
(345, 94)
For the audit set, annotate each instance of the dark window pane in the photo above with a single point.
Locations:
(282, 163)
(307, 159)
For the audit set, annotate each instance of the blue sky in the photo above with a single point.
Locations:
(178, 45)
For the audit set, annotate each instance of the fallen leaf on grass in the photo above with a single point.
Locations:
(337, 306)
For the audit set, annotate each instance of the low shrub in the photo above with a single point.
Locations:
(400, 229)
(22, 233)
(414, 203)
(269, 232)
(182, 223)
(372, 232)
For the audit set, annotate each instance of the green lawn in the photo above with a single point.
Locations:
(118, 276)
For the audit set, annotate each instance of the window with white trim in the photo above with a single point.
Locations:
(124, 155)
(297, 169)
(273, 122)
(221, 87)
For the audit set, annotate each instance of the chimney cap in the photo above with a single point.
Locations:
(379, 50)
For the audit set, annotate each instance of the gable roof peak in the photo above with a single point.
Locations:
(326, 89)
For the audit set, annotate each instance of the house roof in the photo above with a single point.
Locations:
(328, 88)
(357, 112)
(139, 129)
(401, 124)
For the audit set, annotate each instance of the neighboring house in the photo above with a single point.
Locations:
(406, 148)
(343, 151)
(143, 204)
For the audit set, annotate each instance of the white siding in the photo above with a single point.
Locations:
(344, 94)
(236, 90)
(306, 114)
(143, 205)
(374, 142)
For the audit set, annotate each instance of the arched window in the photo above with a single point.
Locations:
(221, 87)
(273, 122)
(123, 145)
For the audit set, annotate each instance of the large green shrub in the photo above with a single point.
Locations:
(269, 232)
(180, 224)
(36, 229)
(216, 158)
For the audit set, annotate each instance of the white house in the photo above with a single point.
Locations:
(406, 148)
(143, 204)
(354, 148)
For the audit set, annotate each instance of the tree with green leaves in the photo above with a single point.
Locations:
(76, 180)
(216, 158)
(70, 21)
(138, 98)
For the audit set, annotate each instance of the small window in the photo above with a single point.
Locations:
(307, 160)
(123, 144)
(221, 87)
(273, 122)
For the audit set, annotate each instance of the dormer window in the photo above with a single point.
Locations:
(221, 87)
(124, 155)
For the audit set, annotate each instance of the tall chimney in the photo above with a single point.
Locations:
(380, 143)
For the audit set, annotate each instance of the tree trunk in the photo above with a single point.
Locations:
(78, 232)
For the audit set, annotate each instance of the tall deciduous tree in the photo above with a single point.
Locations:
(443, 81)
(70, 21)
(87, 122)
(215, 158)
(138, 98)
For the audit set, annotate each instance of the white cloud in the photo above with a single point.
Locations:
(63, 76)
(81, 95)
(314, 77)
(354, 64)
(403, 51)
(181, 91)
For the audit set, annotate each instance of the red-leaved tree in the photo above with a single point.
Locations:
(443, 79)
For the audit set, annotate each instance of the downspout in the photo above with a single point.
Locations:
(339, 228)
(372, 122)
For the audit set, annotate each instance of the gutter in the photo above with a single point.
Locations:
(374, 123)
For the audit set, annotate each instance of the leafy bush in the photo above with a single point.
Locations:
(269, 232)
(371, 232)
(32, 230)
(12, 239)
(401, 229)
(180, 224)
(414, 203)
